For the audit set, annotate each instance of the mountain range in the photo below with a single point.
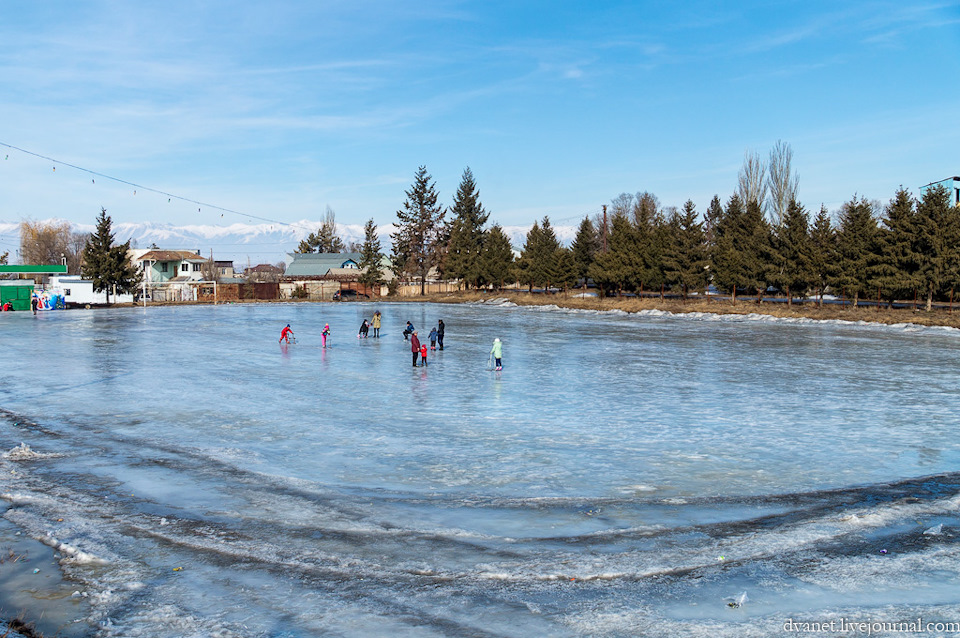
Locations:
(244, 244)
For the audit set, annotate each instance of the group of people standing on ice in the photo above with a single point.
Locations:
(420, 349)
(417, 349)
(366, 325)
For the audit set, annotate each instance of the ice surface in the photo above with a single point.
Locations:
(197, 478)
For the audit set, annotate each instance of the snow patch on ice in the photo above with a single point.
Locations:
(71, 554)
(23, 453)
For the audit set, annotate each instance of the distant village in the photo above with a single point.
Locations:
(173, 275)
(763, 242)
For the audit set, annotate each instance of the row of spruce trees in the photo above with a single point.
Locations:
(908, 247)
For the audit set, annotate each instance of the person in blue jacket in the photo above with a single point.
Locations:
(407, 331)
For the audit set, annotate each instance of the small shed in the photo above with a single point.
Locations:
(17, 293)
(77, 291)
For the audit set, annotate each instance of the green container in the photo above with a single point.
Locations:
(18, 295)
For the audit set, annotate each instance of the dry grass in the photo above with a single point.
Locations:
(937, 317)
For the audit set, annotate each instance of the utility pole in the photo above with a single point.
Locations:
(604, 228)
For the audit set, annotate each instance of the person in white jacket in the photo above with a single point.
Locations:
(497, 352)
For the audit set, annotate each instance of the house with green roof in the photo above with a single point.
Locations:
(314, 265)
(320, 275)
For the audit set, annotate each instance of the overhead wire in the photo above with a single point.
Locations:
(152, 190)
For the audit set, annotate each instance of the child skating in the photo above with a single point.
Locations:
(497, 352)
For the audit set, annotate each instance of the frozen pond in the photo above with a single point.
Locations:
(623, 475)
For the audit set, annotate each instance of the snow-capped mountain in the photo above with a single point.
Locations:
(244, 243)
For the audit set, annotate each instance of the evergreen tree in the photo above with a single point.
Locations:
(685, 258)
(566, 273)
(622, 266)
(856, 240)
(823, 251)
(525, 262)
(655, 245)
(106, 264)
(416, 244)
(538, 259)
(463, 254)
(795, 272)
(325, 240)
(497, 258)
(938, 242)
(584, 248)
(646, 209)
(729, 261)
(896, 271)
(370, 256)
(760, 251)
(710, 220)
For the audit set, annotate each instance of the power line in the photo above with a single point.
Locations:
(152, 190)
(573, 217)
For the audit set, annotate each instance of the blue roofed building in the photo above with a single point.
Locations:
(952, 184)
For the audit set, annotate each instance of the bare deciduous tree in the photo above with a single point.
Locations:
(74, 253)
(781, 183)
(44, 243)
(752, 186)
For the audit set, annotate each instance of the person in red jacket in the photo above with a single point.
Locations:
(286, 333)
(423, 355)
(415, 347)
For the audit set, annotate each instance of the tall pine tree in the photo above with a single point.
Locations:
(856, 241)
(938, 242)
(622, 266)
(107, 264)
(417, 242)
(896, 271)
(795, 273)
(729, 263)
(538, 259)
(463, 254)
(584, 248)
(497, 258)
(823, 250)
(761, 253)
(370, 256)
(685, 257)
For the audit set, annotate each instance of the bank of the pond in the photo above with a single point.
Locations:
(937, 317)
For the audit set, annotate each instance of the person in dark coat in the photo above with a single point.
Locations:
(407, 331)
(440, 333)
(415, 347)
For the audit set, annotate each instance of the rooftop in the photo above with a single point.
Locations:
(318, 264)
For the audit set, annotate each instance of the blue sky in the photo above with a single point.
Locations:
(280, 109)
